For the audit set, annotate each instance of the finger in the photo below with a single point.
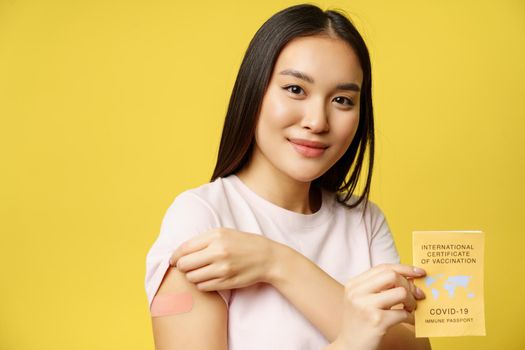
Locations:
(386, 279)
(405, 270)
(211, 285)
(192, 245)
(410, 319)
(393, 317)
(416, 291)
(203, 274)
(195, 260)
(391, 297)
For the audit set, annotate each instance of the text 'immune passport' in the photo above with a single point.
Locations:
(453, 285)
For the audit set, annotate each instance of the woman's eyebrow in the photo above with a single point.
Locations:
(306, 77)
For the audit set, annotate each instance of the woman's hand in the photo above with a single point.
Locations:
(374, 301)
(224, 258)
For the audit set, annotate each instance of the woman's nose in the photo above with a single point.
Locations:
(316, 119)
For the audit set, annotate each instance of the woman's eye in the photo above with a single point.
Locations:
(294, 89)
(350, 102)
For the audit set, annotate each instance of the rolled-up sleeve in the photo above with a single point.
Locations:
(187, 217)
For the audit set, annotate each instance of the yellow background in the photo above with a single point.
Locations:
(109, 108)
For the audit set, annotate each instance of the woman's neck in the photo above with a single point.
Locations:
(281, 190)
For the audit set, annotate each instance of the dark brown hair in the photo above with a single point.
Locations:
(238, 133)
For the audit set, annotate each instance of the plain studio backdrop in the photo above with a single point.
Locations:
(109, 109)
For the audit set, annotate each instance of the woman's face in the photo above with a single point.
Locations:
(313, 96)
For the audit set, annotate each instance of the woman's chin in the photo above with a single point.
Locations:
(305, 176)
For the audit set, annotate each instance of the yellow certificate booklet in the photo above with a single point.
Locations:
(453, 285)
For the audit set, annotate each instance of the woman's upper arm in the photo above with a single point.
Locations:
(382, 246)
(204, 327)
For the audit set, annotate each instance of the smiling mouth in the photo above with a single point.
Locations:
(308, 151)
(308, 143)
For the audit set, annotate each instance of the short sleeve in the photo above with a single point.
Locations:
(382, 245)
(188, 216)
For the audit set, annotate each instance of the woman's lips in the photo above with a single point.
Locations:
(308, 151)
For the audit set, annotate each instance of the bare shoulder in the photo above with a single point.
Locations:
(204, 326)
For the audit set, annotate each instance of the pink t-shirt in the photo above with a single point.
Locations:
(336, 238)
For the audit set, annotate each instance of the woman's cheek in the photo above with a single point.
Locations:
(284, 112)
(345, 133)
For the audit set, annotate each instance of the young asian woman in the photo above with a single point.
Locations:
(276, 250)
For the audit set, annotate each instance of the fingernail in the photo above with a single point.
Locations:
(419, 271)
(420, 293)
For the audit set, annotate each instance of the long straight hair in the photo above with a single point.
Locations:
(238, 134)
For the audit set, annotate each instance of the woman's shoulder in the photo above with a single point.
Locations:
(195, 207)
(206, 194)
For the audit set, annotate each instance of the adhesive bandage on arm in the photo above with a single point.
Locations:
(171, 304)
